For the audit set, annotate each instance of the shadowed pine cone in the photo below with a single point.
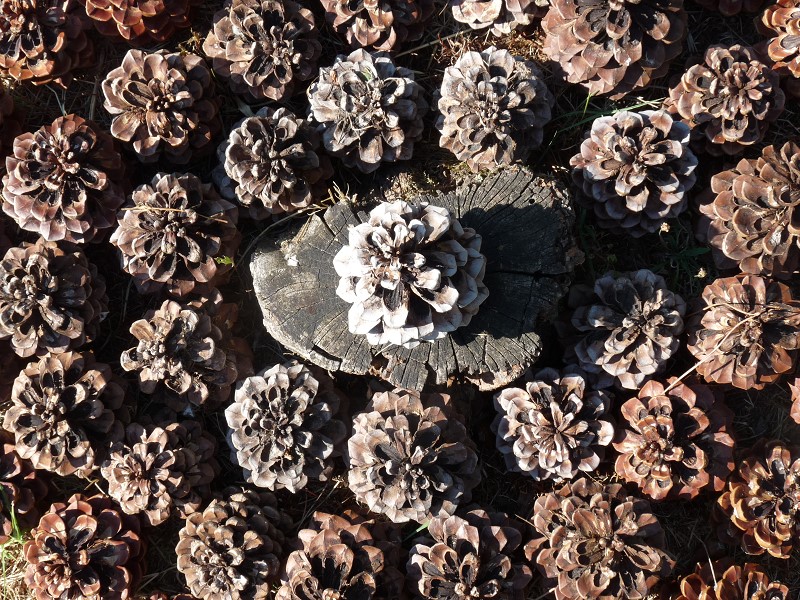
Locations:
(171, 233)
(635, 170)
(181, 349)
(762, 502)
(748, 333)
(472, 556)
(263, 47)
(20, 489)
(368, 110)
(675, 443)
(731, 8)
(554, 428)
(628, 327)
(345, 557)
(780, 24)
(43, 41)
(378, 25)
(729, 99)
(411, 274)
(233, 549)
(410, 457)
(65, 410)
(161, 471)
(725, 581)
(493, 107)
(282, 430)
(165, 596)
(85, 548)
(503, 16)
(595, 541)
(272, 164)
(614, 47)
(750, 217)
(163, 105)
(65, 181)
(139, 22)
(51, 298)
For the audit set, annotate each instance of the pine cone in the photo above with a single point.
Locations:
(794, 390)
(65, 409)
(411, 273)
(729, 99)
(363, 558)
(614, 47)
(410, 457)
(172, 232)
(264, 47)
(762, 501)
(20, 489)
(722, 580)
(369, 111)
(43, 41)
(503, 16)
(282, 430)
(272, 163)
(780, 24)
(749, 214)
(675, 443)
(748, 334)
(232, 550)
(161, 471)
(731, 8)
(65, 181)
(493, 107)
(180, 349)
(628, 328)
(554, 428)
(84, 548)
(595, 541)
(471, 556)
(634, 170)
(51, 298)
(139, 22)
(163, 105)
(382, 25)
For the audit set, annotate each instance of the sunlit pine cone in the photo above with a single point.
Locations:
(383, 25)
(722, 580)
(139, 22)
(502, 16)
(780, 24)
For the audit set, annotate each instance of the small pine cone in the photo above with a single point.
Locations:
(368, 110)
(554, 428)
(180, 349)
(503, 16)
(364, 558)
(471, 556)
(493, 107)
(731, 8)
(272, 164)
(161, 471)
(163, 105)
(422, 270)
(384, 25)
(761, 506)
(85, 548)
(139, 22)
(171, 233)
(65, 409)
(614, 47)
(748, 333)
(410, 457)
(748, 214)
(264, 47)
(634, 170)
(282, 430)
(628, 328)
(233, 549)
(43, 41)
(20, 488)
(722, 580)
(65, 181)
(780, 24)
(595, 541)
(675, 444)
(729, 100)
(51, 298)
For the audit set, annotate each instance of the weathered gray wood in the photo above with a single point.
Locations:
(526, 225)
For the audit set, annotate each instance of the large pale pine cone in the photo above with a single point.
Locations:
(21, 489)
(780, 24)
(139, 22)
(722, 580)
(503, 16)
(378, 25)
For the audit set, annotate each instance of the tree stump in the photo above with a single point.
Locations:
(526, 225)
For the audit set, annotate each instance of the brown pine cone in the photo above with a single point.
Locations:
(503, 16)
(21, 488)
(139, 22)
(378, 25)
(722, 580)
(780, 24)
